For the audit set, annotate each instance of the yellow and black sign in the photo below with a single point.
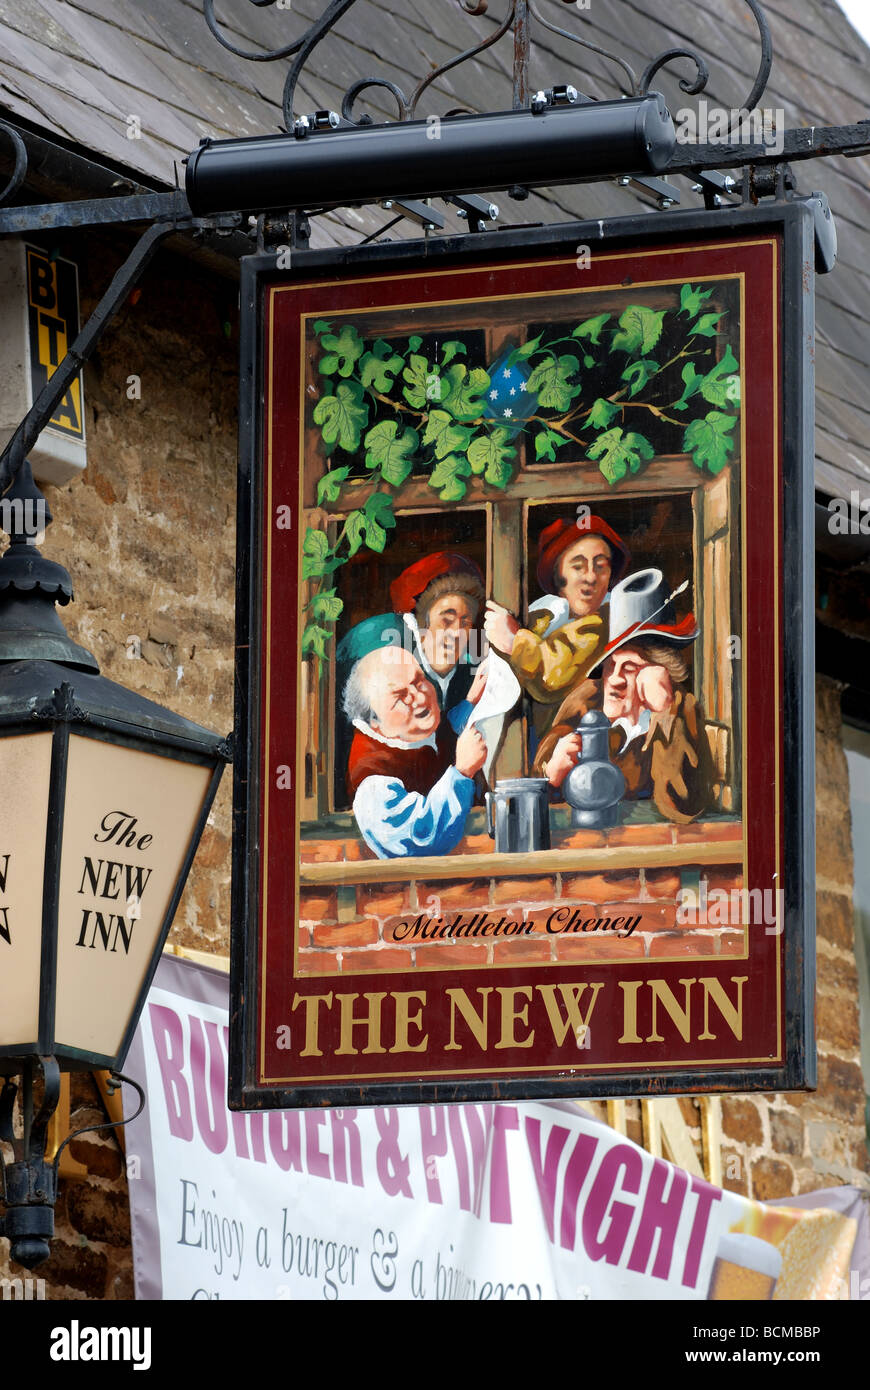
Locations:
(53, 315)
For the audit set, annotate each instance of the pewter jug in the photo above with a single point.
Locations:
(595, 786)
(518, 814)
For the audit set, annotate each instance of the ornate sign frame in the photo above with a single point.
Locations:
(384, 949)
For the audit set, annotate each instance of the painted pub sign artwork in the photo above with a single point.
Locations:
(514, 558)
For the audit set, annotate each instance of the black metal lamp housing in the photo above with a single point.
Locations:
(105, 796)
(414, 159)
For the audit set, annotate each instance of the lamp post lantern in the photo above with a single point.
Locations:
(105, 797)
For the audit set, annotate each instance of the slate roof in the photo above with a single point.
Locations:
(80, 68)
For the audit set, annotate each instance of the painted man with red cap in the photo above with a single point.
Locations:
(579, 560)
(439, 598)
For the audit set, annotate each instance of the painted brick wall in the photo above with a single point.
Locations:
(378, 928)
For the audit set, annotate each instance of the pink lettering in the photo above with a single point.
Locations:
(208, 1096)
(241, 1123)
(545, 1173)
(619, 1160)
(479, 1131)
(579, 1164)
(706, 1195)
(659, 1214)
(285, 1139)
(460, 1156)
(316, 1160)
(506, 1117)
(433, 1145)
(168, 1037)
(346, 1141)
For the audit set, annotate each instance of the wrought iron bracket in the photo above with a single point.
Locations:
(521, 16)
(29, 1182)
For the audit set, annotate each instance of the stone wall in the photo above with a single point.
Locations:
(785, 1144)
(148, 532)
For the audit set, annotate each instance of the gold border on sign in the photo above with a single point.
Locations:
(273, 292)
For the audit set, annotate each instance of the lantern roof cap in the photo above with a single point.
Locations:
(47, 691)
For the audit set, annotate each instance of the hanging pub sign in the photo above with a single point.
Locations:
(525, 767)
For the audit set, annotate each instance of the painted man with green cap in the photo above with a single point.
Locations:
(411, 770)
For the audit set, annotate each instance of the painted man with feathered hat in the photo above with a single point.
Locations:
(658, 735)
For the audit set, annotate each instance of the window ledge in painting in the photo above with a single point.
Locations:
(329, 856)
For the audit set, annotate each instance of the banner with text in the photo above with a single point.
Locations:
(483, 1201)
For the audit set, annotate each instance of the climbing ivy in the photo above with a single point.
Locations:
(401, 410)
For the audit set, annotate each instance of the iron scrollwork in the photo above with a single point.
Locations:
(519, 17)
(19, 170)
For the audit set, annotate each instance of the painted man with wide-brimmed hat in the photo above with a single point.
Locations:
(580, 559)
(658, 736)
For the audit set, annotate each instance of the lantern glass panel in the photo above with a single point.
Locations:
(25, 765)
(129, 820)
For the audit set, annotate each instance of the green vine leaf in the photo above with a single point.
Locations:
(391, 452)
(416, 374)
(591, 328)
(546, 443)
(321, 326)
(602, 413)
(355, 531)
(326, 606)
(378, 367)
(524, 351)
(317, 558)
(451, 350)
(706, 325)
(692, 380)
(329, 486)
(491, 455)
(379, 518)
(618, 452)
(692, 299)
(549, 380)
(709, 441)
(314, 640)
(445, 434)
(641, 329)
(447, 476)
(718, 387)
(639, 373)
(343, 351)
(414, 343)
(343, 417)
(466, 389)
